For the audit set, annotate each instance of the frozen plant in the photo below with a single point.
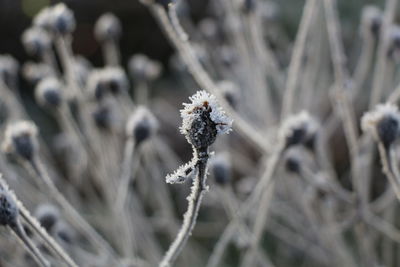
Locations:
(202, 121)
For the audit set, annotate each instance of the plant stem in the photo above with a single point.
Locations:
(189, 218)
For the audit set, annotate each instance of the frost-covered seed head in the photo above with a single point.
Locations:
(230, 91)
(20, 139)
(8, 209)
(393, 43)
(64, 232)
(209, 28)
(108, 27)
(371, 20)
(220, 167)
(203, 119)
(115, 79)
(34, 72)
(48, 92)
(47, 215)
(141, 68)
(8, 69)
(102, 117)
(110, 80)
(62, 19)
(82, 68)
(36, 41)
(383, 122)
(299, 129)
(95, 85)
(141, 125)
(163, 3)
(228, 56)
(249, 6)
(43, 18)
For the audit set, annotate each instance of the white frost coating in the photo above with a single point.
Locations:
(202, 101)
(182, 173)
(371, 118)
(17, 129)
(141, 115)
(301, 120)
(46, 85)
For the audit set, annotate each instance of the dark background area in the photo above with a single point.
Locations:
(140, 31)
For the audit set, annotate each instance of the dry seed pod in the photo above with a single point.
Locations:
(383, 122)
(371, 20)
(47, 215)
(220, 168)
(299, 129)
(8, 209)
(36, 41)
(62, 19)
(203, 119)
(141, 125)
(21, 140)
(48, 92)
(108, 27)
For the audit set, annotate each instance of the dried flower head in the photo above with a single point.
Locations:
(371, 20)
(20, 139)
(141, 125)
(64, 232)
(203, 119)
(43, 18)
(110, 80)
(47, 215)
(8, 69)
(141, 68)
(36, 40)
(62, 19)
(163, 3)
(115, 79)
(48, 92)
(249, 6)
(383, 122)
(299, 129)
(103, 117)
(220, 167)
(108, 27)
(230, 91)
(393, 43)
(8, 209)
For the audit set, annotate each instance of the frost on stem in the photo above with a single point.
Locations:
(21, 140)
(182, 173)
(383, 123)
